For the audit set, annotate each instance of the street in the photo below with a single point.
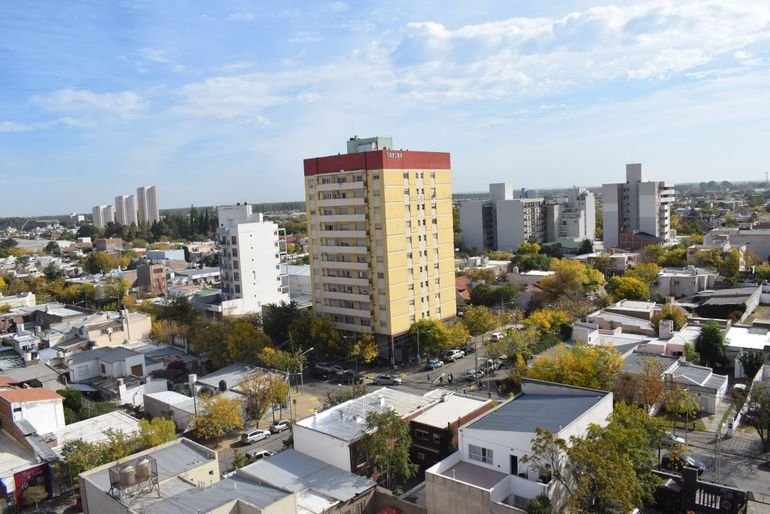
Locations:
(274, 443)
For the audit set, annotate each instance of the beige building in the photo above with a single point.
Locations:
(125, 210)
(147, 204)
(380, 239)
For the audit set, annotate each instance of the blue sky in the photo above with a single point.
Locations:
(219, 102)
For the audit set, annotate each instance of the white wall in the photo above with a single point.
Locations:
(471, 224)
(321, 446)
(46, 415)
(610, 210)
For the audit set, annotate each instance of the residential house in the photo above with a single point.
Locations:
(171, 405)
(104, 362)
(487, 475)
(687, 281)
(108, 245)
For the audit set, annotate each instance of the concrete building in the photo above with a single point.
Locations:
(251, 249)
(380, 239)
(148, 210)
(756, 240)
(74, 219)
(125, 210)
(572, 216)
(18, 300)
(102, 215)
(688, 281)
(638, 206)
(152, 277)
(486, 475)
(111, 244)
(104, 362)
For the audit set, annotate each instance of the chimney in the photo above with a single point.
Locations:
(120, 382)
(666, 329)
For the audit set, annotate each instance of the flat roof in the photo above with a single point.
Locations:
(476, 475)
(208, 499)
(297, 472)
(743, 337)
(449, 410)
(13, 457)
(347, 421)
(633, 362)
(34, 394)
(93, 430)
(377, 160)
(529, 411)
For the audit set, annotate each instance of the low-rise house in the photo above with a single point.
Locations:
(104, 362)
(318, 486)
(203, 277)
(736, 304)
(633, 317)
(687, 281)
(230, 377)
(463, 286)
(101, 329)
(18, 300)
(528, 283)
(486, 474)
(739, 339)
(108, 245)
(171, 405)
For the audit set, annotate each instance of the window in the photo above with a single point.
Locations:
(436, 439)
(480, 454)
(233, 239)
(421, 434)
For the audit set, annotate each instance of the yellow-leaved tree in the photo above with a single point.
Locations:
(581, 365)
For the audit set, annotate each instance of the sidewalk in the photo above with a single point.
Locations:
(712, 422)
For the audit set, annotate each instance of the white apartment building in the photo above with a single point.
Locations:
(638, 205)
(102, 215)
(504, 222)
(572, 216)
(147, 204)
(125, 210)
(250, 252)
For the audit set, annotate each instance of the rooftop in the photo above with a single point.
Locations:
(633, 361)
(449, 410)
(34, 394)
(347, 421)
(223, 492)
(529, 411)
(93, 430)
(297, 472)
(13, 457)
(475, 475)
(109, 355)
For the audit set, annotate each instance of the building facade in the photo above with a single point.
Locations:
(636, 206)
(251, 249)
(380, 239)
(147, 204)
(572, 216)
(102, 215)
(125, 210)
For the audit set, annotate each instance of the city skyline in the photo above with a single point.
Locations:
(97, 98)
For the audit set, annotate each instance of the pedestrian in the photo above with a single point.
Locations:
(451, 378)
(428, 377)
(441, 380)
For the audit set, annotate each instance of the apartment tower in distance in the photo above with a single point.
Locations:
(147, 204)
(125, 210)
(381, 240)
(637, 212)
(102, 215)
(250, 253)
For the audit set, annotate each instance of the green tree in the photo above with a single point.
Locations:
(669, 311)
(570, 278)
(81, 456)
(540, 504)
(730, 266)
(582, 365)
(326, 339)
(479, 320)
(34, 494)
(277, 319)
(681, 403)
(751, 361)
(651, 253)
(101, 262)
(628, 288)
(219, 416)
(433, 336)
(757, 413)
(339, 395)
(244, 340)
(710, 345)
(386, 445)
(52, 248)
(364, 349)
(155, 432)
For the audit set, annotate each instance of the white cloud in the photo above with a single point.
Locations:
(123, 104)
(228, 97)
(154, 55)
(12, 126)
(338, 7)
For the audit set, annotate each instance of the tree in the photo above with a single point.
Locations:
(341, 394)
(583, 365)
(431, 335)
(261, 391)
(651, 253)
(680, 402)
(710, 345)
(364, 349)
(34, 494)
(690, 355)
(101, 262)
(277, 318)
(570, 278)
(757, 412)
(628, 288)
(670, 311)
(673, 258)
(650, 383)
(586, 246)
(52, 248)
(479, 320)
(81, 456)
(751, 361)
(219, 417)
(52, 272)
(386, 445)
(156, 432)
(325, 336)
(548, 321)
(244, 340)
(458, 335)
(730, 266)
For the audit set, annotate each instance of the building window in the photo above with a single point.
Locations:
(480, 454)
(233, 239)
(421, 434)
(436, 439)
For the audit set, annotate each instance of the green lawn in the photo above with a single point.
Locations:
(669, 420)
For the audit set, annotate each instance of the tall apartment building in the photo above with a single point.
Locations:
(125, 210)
(572, 216)
(380, 239)
(638, 208)
(250, 253)
(102, 215)
(147, 204)
(503, 222)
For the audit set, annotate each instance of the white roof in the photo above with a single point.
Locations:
(449, 410)
(93, 430)
(742, 337)
(13, 458)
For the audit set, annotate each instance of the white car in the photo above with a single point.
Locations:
(670, 439)
(473, 374)
(453, 355)
(386, 380)
(259, 453)
(497, 336)
(252, 436)
(280, 425)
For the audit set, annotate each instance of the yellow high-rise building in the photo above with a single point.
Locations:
(381, 242)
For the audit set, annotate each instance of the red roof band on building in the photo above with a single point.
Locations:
(378, 160)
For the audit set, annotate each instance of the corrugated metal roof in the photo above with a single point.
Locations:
(297, 472)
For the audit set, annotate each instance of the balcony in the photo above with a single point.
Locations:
(362, 250)
(334, 202)
(343, 233)
(359, 266)
(342, 218)
(347, 281)
(341, 186)
(343, 311)
(353, 297)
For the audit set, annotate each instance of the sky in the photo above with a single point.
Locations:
(219, 102)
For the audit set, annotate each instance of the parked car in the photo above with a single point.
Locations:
(351, 377)
(496, 336)
(473, 374)
(259, 454)
(433, 364)
(252, 436)
(669, 439)
(453, 355)
(677, 464)
(386, 380)
(280, 425)
(469, 347)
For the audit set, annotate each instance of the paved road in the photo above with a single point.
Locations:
(274, 443)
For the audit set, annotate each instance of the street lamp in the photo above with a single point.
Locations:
(301, 375)
(417, 332)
